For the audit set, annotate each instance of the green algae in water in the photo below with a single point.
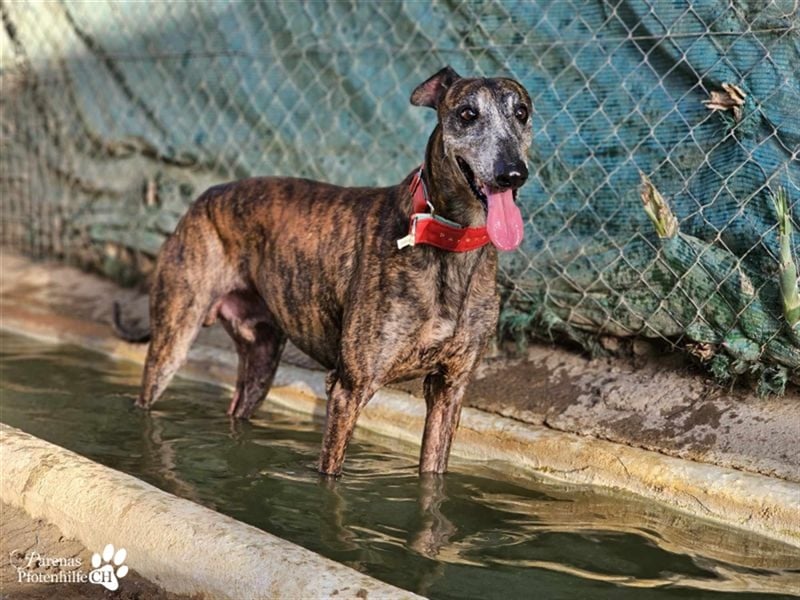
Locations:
(471, 534)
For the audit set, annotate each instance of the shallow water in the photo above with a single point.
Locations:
(474, 533)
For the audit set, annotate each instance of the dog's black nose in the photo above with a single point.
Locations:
(510, 175)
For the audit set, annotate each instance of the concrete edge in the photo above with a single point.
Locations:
(183, 547)
(756, 503)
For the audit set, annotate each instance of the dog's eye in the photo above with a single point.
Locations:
(521, 112)
(468, 114)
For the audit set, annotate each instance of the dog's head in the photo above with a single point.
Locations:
(486, 132)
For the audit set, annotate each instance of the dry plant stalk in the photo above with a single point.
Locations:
(658, 210)
(788, 269)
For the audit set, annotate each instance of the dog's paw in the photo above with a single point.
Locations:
(107, 572)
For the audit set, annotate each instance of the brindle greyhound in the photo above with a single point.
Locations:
(329, 268)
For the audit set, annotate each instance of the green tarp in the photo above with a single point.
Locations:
(116, 114)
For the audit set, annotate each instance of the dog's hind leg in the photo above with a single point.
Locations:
(443, 399)
(175, 320)
(259, 345)
(183, 291)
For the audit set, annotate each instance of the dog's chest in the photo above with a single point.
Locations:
(443, 339)
(463, 311)
(437, 331)
(434, 343)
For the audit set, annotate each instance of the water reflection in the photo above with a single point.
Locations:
(159, 457)
(333, 530)
(433, 531)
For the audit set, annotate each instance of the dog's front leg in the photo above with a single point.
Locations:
(344, 406)
(443, 397)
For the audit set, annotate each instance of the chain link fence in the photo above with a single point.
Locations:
(116, 114)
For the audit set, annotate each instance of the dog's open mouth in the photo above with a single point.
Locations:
(503, 217)
(469, 175)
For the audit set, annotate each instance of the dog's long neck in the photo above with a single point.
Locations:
(452, 199)
(447, 189)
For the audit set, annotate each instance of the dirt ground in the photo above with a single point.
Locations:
(649, 399)
(21, 537)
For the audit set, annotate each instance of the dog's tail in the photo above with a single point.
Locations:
(123, 331)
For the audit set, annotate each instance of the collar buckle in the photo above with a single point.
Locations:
(411, 238)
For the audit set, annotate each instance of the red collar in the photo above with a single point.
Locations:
(427, 228)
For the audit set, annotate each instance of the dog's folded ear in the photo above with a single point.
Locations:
(431, 92)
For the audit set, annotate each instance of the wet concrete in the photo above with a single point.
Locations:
(650, 400)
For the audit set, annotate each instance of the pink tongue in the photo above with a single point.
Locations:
(504, 222)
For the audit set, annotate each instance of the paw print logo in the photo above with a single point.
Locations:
(109, 574)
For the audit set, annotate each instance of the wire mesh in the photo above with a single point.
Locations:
(115, 115)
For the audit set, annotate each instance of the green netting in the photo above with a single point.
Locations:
(116, 114)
